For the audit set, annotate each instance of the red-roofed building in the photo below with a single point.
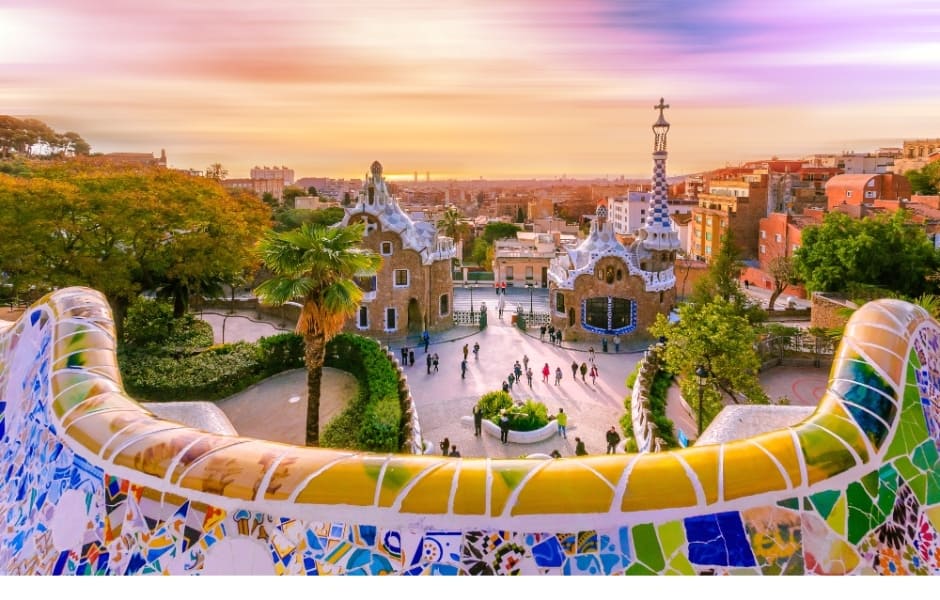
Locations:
(853, 193)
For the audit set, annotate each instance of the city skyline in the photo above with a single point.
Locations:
(492, 89)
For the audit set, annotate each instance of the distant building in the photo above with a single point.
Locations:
(736, 204)
(146, 159)
(524, 260)
(853, 193)
(601, 288)
(413, 290)
(263, 180)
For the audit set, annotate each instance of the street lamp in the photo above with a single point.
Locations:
(701, 374)
(531, 287)
(469, 286)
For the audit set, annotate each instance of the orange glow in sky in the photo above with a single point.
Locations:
(492, 88)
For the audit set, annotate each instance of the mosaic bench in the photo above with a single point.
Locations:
(95, 484)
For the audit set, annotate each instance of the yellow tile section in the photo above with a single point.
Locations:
(507, 475)
(470, 498)
(94, 432)
(704, 462)
(399, 472)
(582, 491)
(658, 481)
(155, 453)
(347, 482)
(836, 518)
(78, 386)
(825, 455)
(98, 404)
(844, 427)
(431, 494)
(296, 465)
(780, 444)
(748, 470)
(234, 471)
(127, 428)
(933, 515)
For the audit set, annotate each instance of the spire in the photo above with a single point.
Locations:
(661, 235)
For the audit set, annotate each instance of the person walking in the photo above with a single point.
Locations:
(445, 446)
(594, 374)
(505, 386)
(517, 369)
(591, 354)
(503, 426)
(528, 375)
(613, 438)
(551, 334)
(583, 370)
(463, 369)
(466, 351)
(579, 449)
(476, 350)
(426, 338)
(545, 372)
(562, 421)
(411, 357)
(558, 376)
(511, 379)
(436, 360)
(525, 361)
(404, 355)
(574, 369)
(430, 362)
(542, 333)
(477, 420)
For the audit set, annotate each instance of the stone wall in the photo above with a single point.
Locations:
(827, 310)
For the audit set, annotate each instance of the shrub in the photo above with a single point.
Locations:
(281, 352)
(150, 325)
(380, 426)
(492, 402)
(530, 416)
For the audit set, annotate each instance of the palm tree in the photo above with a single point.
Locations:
(316, 266)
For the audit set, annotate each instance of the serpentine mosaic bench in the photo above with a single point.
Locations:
(95, 484)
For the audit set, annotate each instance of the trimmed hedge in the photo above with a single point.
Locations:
(374, 421)
(657, 403)
(215, 373)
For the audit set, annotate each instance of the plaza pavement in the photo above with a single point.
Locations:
(442, 398)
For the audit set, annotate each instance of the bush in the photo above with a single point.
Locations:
(492, 402)
(526, 417)
(150, 325)
(281, 352)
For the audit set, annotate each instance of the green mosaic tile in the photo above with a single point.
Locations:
(871, 483)
(791, 503)
(638, 569)
(836, 518)
(863, 513)
(824, 501)
(906, 468)
(919, 487)
(807, 505)
(933, 487)
(672, 537)
(680, 565)
(646, 547)
(925, 455)
(887, 489)
(911, 428)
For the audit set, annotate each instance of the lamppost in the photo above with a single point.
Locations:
(469, 286)
(701, 374)
(531, 287)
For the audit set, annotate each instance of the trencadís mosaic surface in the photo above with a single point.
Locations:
(94, 484)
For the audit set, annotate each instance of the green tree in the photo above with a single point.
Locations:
(289, 196)
(925, 180)
(451, 224)
(316, 266)
(292, 218)
(722, 280)
(499, 230)
(716, 336)
(886, 251)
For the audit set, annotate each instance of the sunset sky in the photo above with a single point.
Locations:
(471, 88)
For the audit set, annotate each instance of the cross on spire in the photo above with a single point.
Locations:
(661, 106)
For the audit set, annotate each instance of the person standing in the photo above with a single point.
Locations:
(404, 355)
(542, 333)
(579, 449)
(453, 452)
(445, 446)
(466, 351)
(613, 438)
(430, 362)
(426, 338)
(558, 376)
(583, 370)
(463, 369)
(436, 361)
(616, 343)
(574, 369)
(511, 379)
(562, 421)
(477, 420)
(594, 374)
(525, 361)
(505, 386)
(545, 372)
(551, 334)
(503, 426)
(411, 357)
(476, 350)
(591, 354)
(528, 375)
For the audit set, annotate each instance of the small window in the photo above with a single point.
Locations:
(871, 194)
(619, 274)
(763, 234)
(363, 317)
(559, 302)
(871, 183)
(445, 304)
(401, 277)
(391, 319)
(778, 238)
(510, 275)
(848, 193)
(386, 248)
(529, 273)
(763, 249)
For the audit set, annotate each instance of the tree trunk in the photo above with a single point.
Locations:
(773, 298)
(119, 313)
(314, 353)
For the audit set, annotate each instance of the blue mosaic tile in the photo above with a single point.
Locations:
(582, 564)
(549, 553)
(718, 539)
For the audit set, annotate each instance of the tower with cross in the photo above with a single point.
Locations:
(659, 237)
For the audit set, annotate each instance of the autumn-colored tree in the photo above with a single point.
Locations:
(783, 273)
(315, 265)
(216, 171)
